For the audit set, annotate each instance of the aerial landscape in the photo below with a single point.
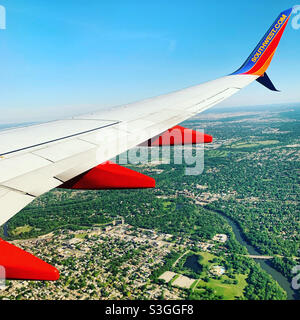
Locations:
(231, 233)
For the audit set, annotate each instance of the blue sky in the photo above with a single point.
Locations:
(64, 57)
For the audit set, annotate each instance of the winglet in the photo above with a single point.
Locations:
(261, 57)
(266, 81)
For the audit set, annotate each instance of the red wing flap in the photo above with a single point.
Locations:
(109, 175)
(180, 136)
(19, 264)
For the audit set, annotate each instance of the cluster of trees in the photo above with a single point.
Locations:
(205, 294)
(262, 287)
(140, 208)
(167, 266)
(284, 265)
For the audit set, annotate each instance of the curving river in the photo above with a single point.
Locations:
(283, 281)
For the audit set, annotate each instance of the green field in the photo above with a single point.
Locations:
(167, 204)
(173, 279)
(216, 153)
(81, 235)
(227, 291)
(206, 258)
(240, 145)
(23, 229)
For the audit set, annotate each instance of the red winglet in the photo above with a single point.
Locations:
(180, 136)
(19, 264)
(109, 175)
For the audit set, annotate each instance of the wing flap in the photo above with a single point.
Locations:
(11, 203)
(63, 150)
(20, 165)
(34, 184)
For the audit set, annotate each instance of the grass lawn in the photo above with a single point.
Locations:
(227, 291)
(194, 285)
(254, 144)
(216, 153)
(174, 278)
(206, 258)
(81, 235)
(167, 204)
(22, 229)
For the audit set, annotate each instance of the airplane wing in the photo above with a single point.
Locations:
(38, 158)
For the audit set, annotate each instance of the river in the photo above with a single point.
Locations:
(5, 230)
(282, 281)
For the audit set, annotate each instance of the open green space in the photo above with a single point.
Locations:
(241, 145)
(228, 291)
(216, 153)
(21, 230)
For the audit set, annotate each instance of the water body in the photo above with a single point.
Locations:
(5, 230)
(192, 263)
(282, 281)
